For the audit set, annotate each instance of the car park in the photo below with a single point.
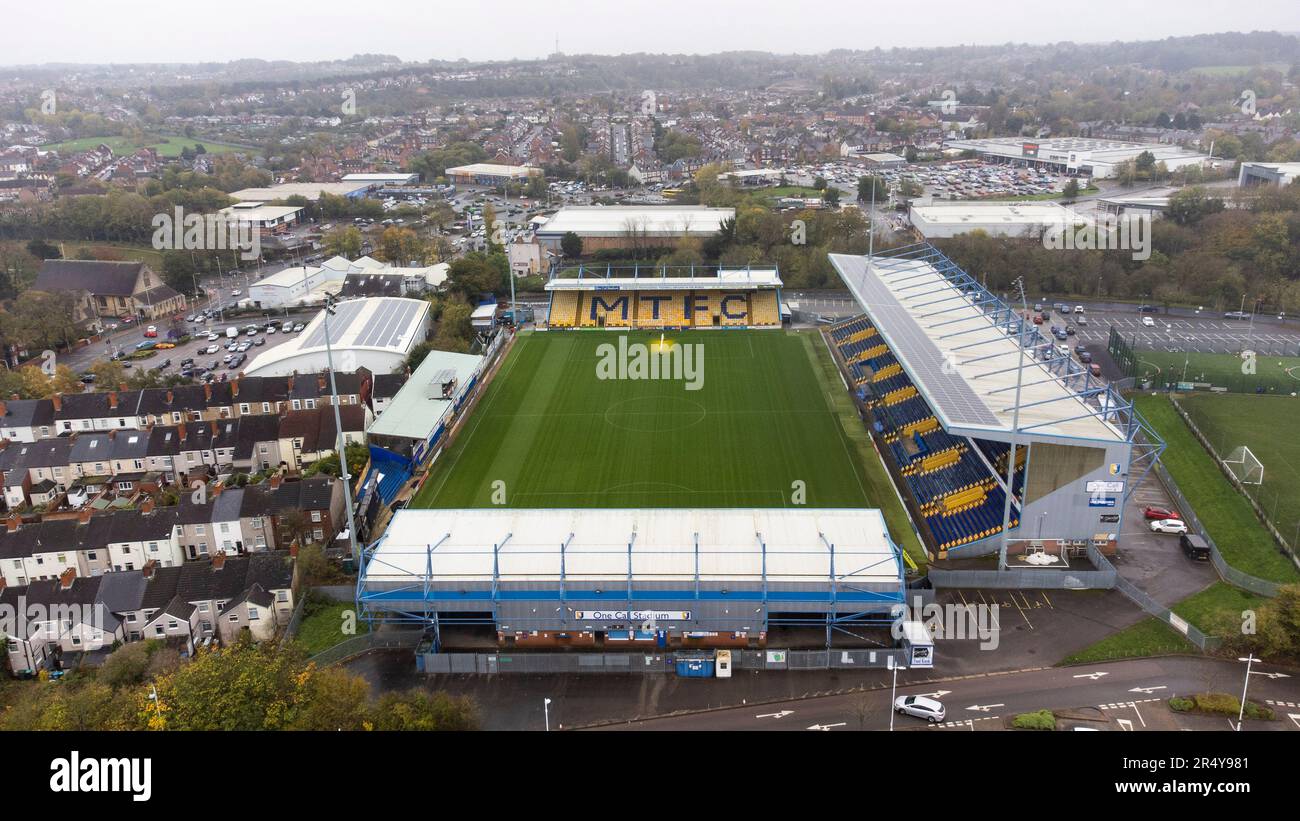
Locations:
(1169, 526)
(920, 707)
(1153, 512)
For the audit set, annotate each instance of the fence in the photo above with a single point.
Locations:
(1227, 572)
(1139, 597)
(295, 619)
(1103, 578)
(364, 643)
(648, 663)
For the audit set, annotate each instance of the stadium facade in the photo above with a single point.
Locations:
(676, 297)
(627, 577)
(949, 377)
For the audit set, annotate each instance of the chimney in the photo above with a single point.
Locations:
(57, 401)
(146, 507)
(320, 382)
(207, 391)
(4, 410)
(112, 434)
(289, 387)
(234, 385)
(149, 568)
(66, 578)
(83, 515)
(180, 431)
(112, 400)
(218, 560)
(276, 479)
(11, 524)
(217, 488)
(123, 387)
(171, 395)
(2, 584)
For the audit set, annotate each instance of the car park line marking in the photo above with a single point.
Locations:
(1295, 719)
(1125, 724)
(1049, 601)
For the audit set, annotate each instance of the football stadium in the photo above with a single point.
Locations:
(665, 464)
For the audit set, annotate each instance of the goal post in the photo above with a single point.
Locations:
(1245, 466)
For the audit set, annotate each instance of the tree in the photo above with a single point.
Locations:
(571, 245)
(831, 195)
(241, 687)
(109, 373)
(418, 710)
(1190, 205)
(399, 246)
(343, 242)
(334, 699)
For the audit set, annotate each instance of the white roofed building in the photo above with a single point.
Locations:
(374, 333)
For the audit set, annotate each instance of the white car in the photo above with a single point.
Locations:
(921, 707)
(1168, 526)
(1148, 322)
(1078, 309)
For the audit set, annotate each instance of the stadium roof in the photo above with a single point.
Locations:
(964, 364)
(659, 278)
(643, 220)
(418, 408)
(390, 324)
(590, 545)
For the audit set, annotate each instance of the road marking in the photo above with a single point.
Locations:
(1093, 676)
(1125, 723)
(1148, 690)
(781, 714)
(825, 727)
(984, 708)
(935, 694)
(1295, 718)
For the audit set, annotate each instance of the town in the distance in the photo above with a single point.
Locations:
(926, 389)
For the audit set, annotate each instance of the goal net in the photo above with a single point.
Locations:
(1245, 466)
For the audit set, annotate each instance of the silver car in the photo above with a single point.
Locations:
(921, 707)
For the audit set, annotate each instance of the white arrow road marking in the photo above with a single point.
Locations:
(984, 708)
(825, 727)
(935, 694)
(781, 714)
(1093, 676)
(1273, 675)
(1148, 690)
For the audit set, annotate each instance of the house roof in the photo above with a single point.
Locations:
(94, 276)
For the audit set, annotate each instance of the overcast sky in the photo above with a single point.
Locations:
(138, 31)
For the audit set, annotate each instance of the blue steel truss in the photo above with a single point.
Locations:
(1102, 399)
(871, 607)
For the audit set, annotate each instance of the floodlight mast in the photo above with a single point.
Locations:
(1015, 427)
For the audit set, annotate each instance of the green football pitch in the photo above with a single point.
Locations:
(771, 425)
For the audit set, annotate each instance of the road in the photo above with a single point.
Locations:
(1120, 688)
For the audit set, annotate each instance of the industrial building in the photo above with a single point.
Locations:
(310, 284)
(953, 380)
(382, 179)
(1026, 219)
(1081, 156)
(310, 191)
(486, 173)
(606, 578)
(373, 333)
(630, 226)
(265, 218)
(1268, 173)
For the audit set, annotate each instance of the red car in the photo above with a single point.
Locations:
(1160, 513)
(126, 320)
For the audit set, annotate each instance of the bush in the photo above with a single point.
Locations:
(1039, 720)
(1181, 705)
(1218, 703)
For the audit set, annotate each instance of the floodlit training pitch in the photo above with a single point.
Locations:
(565, 424)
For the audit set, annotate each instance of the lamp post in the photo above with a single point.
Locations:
(1015, 428)
(893, 690)
(340, 442)
(1249, 659)
(546, 713)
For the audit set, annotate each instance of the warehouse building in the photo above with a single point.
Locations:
(486, 173)
(1268, 173)
(376, 333)
(310, 191)
(631, 226)
(382, 179)
(654, 577)
(1081, 156)
(1026, 219)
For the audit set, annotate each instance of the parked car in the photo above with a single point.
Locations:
(1078, 309)
(87, 378)
(1195, 547)
(165, 346)
(1038, 319)
(921, 707)
(1146, 309)
(261, 340)
(1069, 330)
(298, 327)
(1169, 526)
(1153, 512)
(1086, 357)
(211, 349)
(1148, 322)
(1094, 369)
(151, 332)
(1081, 321)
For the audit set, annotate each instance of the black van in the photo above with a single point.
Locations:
(1195, 547)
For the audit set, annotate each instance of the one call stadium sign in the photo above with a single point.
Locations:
(633, 615)
(1029, 149)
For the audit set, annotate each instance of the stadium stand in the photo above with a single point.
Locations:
(950, 478)
(607, 296)
(564, 309)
